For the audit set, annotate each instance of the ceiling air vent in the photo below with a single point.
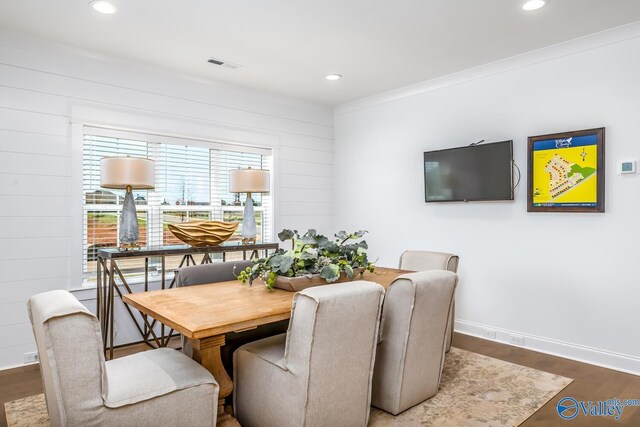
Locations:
(216, 61)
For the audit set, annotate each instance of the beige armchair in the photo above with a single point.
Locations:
(410, 353)
(153, 388)
(319, 372)
(427, 260)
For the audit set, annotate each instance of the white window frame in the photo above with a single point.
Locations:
(161, 127)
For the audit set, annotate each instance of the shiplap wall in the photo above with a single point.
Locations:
(40, 83)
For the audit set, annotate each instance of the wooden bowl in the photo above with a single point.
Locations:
(203, 233)
(296, 284)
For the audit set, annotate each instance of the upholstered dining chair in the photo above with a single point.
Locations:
(223, 272)
(210, 273)
(319, 372)
(428, 260)
(411, 348)
(154, 388)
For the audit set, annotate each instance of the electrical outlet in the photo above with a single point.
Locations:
(31, 357)
(517, 340)
(489, 333)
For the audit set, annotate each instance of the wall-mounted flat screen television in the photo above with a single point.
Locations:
(473, 173)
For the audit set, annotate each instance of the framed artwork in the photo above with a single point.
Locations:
(566, 172)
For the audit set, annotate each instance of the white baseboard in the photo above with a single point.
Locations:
(580, 353)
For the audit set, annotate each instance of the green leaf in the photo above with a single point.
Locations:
(274, 261)
(285, 264)
(330, 273)
(331, 248)
(342, 235)
(322, 242)
(286, 234)
(309, 254)
(348, 270)
(271, 280)
(309, 238)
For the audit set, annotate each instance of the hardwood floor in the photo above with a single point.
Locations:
(16, 384)
(591, 383)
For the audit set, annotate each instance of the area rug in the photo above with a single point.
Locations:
(28, 412)
(475, 391)
(479, 391)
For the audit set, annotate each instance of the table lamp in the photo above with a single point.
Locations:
(249, 181)
(127, 173)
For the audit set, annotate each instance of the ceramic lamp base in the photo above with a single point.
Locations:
(249, 222)
(128, 233)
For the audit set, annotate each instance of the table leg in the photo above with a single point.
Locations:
(98, 289)
(162, 276)
(111, 318)
(146, 289)
(206, 352)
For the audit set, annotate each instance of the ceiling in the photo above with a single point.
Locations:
(288, 46)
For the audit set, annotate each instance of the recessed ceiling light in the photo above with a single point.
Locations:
(334, 77)
(103, 7)
(534, 4)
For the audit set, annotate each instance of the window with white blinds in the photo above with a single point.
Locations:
(192, 182)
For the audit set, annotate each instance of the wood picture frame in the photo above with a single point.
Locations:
(566, 172)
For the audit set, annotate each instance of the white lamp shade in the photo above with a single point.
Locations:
(120, 172)
(249, 181)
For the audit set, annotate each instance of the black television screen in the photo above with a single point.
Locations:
(472, 173)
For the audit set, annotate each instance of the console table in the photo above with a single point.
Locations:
(108, 270)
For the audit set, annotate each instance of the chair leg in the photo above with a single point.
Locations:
(450, 321)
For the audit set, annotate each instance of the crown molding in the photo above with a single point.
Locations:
(571, 47)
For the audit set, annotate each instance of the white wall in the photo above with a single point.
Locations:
(40, 84)
(580, 301)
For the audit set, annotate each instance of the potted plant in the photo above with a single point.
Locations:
(312, 260)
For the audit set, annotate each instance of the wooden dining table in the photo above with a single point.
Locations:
(205, 313)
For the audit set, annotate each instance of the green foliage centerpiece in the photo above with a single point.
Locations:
(312, 255)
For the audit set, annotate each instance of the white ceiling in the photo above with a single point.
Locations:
(288, 46)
